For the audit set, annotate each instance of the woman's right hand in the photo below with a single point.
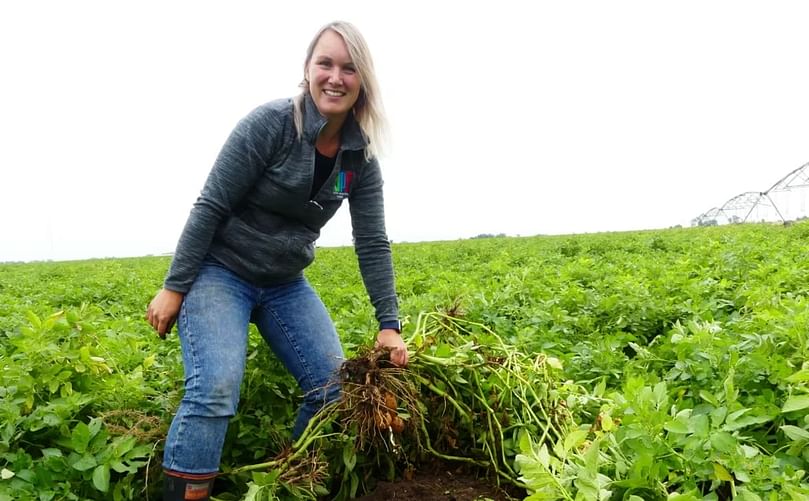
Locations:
(163, 310)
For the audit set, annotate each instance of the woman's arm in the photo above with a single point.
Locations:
(237, 168)
(366, 203)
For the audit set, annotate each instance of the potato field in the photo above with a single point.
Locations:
(655, 365)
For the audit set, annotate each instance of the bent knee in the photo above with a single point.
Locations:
(215, 398)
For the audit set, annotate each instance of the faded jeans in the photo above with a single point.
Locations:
(212, 327)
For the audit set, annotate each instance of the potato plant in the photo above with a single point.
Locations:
(663, 364)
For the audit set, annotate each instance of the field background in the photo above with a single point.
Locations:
(688, 347)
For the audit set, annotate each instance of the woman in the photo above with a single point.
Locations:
(282, 174)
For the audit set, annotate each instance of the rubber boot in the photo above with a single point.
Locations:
(179, 486)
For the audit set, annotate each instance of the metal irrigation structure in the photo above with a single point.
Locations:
(783, 202)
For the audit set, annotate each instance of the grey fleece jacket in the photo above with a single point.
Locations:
(255, 217)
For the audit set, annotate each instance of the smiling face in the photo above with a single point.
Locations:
(334, 82)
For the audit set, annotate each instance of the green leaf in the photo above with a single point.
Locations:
(80, 437)
(738, 420)
(801, 376)
(722, 473)
(27, 475)
(33, 318)
(718, 416)
(677, 425)
(122, 445)
(94, 426)
(526, 445)
(51, 420)
(743, 494)
(795, 433)
(252, 492)
(85, 463)
(543, 456)
(149, 361)
(72, 317)
(51, 452)
(574, 439)
(607, 424)
(736, 414)
(600, 388)
(661, 395)
(723, 441)
(554, 363)
(796, 403)
(119, 467)
(443, 351)
(708, 397)
(591, 458)
(101, 477)
(262, 478)
(586, 485)
(700, 425)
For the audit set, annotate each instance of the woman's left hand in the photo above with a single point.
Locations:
(393, 340)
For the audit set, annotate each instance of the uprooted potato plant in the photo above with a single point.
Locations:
(466, 396)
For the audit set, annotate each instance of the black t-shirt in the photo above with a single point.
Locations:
(323, 168)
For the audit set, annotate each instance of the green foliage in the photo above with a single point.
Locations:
(58, 374)
(690, 344)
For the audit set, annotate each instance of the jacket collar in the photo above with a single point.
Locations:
(352, 137)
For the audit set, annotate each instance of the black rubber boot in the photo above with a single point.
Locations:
(179, 486)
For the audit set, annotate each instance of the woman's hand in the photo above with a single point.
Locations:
(392, 339)
(163, 310)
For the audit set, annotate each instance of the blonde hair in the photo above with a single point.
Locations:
(368, 110)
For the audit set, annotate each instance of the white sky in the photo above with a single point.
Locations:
(507, 116)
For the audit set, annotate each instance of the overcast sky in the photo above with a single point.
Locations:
(506, 116)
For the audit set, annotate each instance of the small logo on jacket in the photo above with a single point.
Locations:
(342, 185)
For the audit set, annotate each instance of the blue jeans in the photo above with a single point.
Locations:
(212, 326)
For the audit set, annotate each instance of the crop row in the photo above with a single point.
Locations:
(681, 355)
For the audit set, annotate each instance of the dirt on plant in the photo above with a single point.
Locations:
(374, 393)
(442, 484)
